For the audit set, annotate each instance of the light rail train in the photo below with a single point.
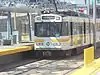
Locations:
(63, 35)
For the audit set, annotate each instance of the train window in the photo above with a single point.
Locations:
(55, 29)
(98, 27)
(41, 29)
(65, 29)
(80, 28)
(87, 27)
(48, 17)
(74, 28)
(48, 29)
(92, 26)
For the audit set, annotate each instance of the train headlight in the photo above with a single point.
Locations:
(38, 18)
(56, 44)
(57, 18)
(39, 43)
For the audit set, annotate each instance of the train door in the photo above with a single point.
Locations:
(90, 31)
(66, 38)
(80, 32)
(77, 33)
(73, 32)
(91, 28)
(97, 32)
(87, 33)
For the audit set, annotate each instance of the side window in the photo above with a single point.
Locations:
(80, 27)
(98, 26)
(74, 28)
(65, 29)
(91, 27)
(87, 27)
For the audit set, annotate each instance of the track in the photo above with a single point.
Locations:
(14, 64)
(48, 66)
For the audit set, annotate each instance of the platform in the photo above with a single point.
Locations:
(91, 65)
(91, 69)
(5, 50)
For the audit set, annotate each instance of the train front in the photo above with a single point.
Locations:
(47, 32)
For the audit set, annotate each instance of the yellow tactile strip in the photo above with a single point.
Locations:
(15, 50)
(91, 69)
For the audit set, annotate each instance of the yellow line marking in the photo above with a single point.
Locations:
(61, 40)
(15, 50)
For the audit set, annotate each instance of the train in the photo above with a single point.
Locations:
(63, 35)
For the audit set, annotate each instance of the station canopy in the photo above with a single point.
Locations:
(23, 9)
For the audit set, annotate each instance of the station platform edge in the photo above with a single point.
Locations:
(91, 65)
(16, 50)
(91, 69)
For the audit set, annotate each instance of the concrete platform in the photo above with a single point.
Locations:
(15, 53)
(5, 50)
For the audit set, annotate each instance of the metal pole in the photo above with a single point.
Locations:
(88, 12)
(29, 26)
(9, 28)
(94, 24)
(14, 20)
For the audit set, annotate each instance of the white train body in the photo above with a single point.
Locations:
(54, 32)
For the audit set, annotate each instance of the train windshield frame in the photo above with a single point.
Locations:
(48, 29)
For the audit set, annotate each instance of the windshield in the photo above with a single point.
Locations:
(47, 29)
